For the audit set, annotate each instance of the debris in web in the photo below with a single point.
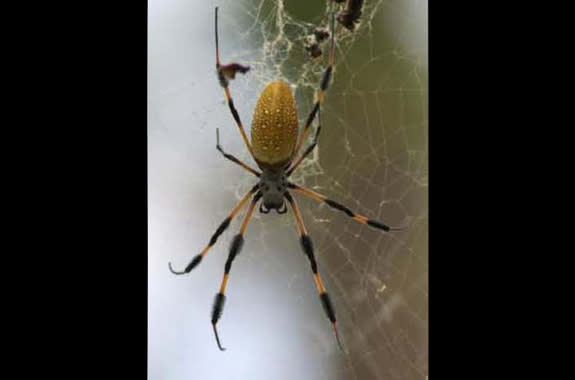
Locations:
(349, 16)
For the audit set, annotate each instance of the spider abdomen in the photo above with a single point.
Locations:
(274, 125)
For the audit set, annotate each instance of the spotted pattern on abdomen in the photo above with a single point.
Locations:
(274, 125)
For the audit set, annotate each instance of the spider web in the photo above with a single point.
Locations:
(372, 156)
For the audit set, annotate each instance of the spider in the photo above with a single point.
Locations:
(274, 147)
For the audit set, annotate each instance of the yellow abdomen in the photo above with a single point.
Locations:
(274, 125)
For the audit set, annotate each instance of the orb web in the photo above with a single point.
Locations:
(372, 156)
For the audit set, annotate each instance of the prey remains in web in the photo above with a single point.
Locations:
(276, 147)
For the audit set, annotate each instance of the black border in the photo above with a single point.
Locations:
(82, 187)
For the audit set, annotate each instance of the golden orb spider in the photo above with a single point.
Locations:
(275, 145)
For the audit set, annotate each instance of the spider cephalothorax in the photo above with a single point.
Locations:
(276, 148)
(273, 185)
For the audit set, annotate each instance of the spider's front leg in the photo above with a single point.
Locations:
(235, 248)
(307, 247)
(222, 227)
(338, 206)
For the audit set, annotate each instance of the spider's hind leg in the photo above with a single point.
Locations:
(323, 86)
(225, 73)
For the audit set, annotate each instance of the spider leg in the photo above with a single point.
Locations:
(307, 247)
(235, 248)
(196, 260)
(224, 83)
(324, 84)
(358, 218)
(232, 158)
(309, 148)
